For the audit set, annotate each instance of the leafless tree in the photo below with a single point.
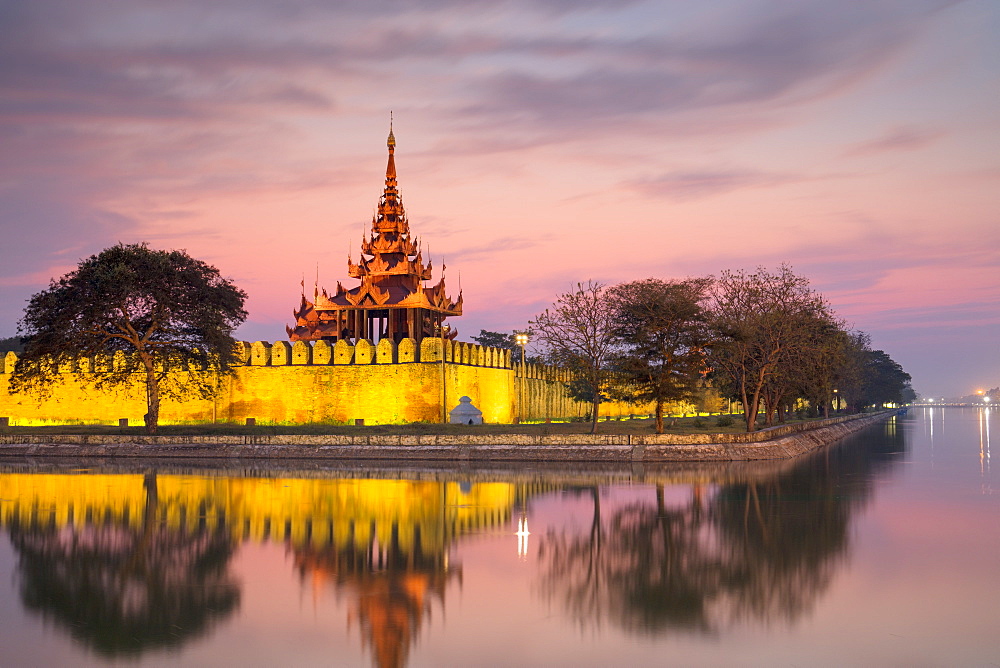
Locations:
(577, 334)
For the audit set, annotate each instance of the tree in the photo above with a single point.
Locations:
(11, 344)
(504, 342)
(884, 381)
(577, 333)
(758, 319)
(808, 364)
(662, 329)
(826, 360)
(850, 374)
(142, 312)
(871, 377)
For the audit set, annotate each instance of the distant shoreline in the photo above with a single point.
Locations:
(781, 442)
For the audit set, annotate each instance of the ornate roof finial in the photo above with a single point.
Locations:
(391, 142)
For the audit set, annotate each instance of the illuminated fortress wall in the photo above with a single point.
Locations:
(304, 383)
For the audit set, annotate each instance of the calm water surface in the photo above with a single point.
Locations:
(883, 550)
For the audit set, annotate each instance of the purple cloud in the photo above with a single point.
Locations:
(906, 138)
(684, 186)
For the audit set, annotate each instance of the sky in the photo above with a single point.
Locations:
(539, 143)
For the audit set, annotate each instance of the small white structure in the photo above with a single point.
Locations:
(465, 413)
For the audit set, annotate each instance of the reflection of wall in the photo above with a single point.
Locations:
(306, 512)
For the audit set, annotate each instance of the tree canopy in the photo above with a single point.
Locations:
(504, 341)
(11, 344)
(760, 320)
(133, 311)
(662, 332)
(764, 338)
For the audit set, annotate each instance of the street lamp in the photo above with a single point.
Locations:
(443, 331)
(521, 339)
(836, 399)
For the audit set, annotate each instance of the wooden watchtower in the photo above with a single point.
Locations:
(393, 301)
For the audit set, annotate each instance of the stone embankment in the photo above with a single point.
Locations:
(777, 443)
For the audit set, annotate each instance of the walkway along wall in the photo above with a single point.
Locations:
(305, 383)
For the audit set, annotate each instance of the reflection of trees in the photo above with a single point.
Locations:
(762, 551)
(122, 589)
(644, 568)
(391, 589)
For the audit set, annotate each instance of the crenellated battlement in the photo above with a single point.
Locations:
(321, 353)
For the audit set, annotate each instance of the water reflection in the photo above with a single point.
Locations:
(392, 562)
(129, 561)
(124, 581)
(759, 551)
(984, 448)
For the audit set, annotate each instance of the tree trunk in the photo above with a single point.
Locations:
(152, 416)
(659, 416)
(597, 404)
(751, 411)
(769, 409)
(137, 561)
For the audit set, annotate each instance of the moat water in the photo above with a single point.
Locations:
(881, 550)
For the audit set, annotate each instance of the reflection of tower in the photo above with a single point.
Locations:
(391, 590)
(392, 563)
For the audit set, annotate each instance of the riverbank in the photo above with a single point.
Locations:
(781, 442)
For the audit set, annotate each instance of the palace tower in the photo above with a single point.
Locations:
(392, 301)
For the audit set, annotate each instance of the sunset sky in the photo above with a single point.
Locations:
(539, 143)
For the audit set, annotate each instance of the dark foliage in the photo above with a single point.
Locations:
(12, 344)
(662, 330)
(132, 313)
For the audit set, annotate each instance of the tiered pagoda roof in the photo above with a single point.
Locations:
(392, 272)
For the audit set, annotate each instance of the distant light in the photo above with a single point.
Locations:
(986, 400)
(931, 400)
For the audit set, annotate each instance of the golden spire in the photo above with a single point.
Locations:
(390, 168)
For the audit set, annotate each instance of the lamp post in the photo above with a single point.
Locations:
(836, 399)
(444, 329)
(521, 339)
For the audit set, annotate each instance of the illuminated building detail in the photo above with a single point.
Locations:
(392, 302)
